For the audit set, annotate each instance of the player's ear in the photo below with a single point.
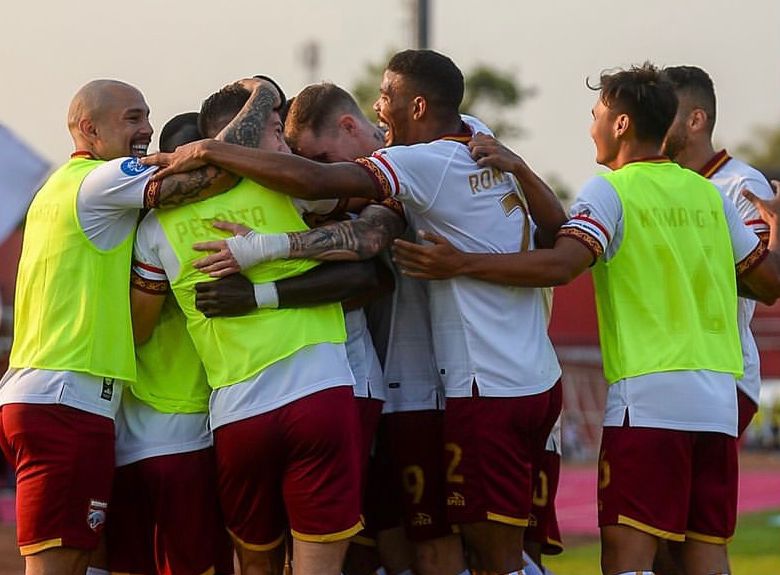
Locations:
(622, 123)
(419, 108)
(348, 124)
(87, 128)
(697, 120)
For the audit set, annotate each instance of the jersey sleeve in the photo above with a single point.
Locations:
(148, 274)
(747, 248)
(119, 184)
(406, 173)
(595, 218)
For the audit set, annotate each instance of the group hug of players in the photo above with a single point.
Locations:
(237, 404)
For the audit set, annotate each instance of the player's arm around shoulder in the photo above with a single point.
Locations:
(149, 284)
(544, 206)
(758, 272)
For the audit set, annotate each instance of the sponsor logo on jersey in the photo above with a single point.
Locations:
(96, 515)
(132, 167)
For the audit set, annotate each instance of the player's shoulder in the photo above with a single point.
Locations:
(476, 125)
(121, 168)
(736, 175)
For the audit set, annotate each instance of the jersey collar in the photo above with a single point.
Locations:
(462, 137)
(82, 154)
(714, 164)
(650, 159)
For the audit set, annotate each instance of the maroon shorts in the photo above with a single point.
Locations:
(543, 522)
(671, 484)
(165, 516)
(298, 463)
(747, 409)
(64, 463)
(413, 442)
(492, 446)
(369, 412)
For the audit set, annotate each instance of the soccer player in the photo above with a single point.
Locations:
(165, 514)
(282, 385)
(477, 327)
(663, 243)
(73, 338)
(689, 143)
(325, 123)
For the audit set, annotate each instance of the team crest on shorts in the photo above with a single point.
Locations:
(132, 167)
(96, 515)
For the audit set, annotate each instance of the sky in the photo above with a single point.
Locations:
(178, 52)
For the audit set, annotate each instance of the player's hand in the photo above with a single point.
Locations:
(487, 151)
(438, 260)
(222, 262)
(768, 209)
(183, 159)
(231, 295)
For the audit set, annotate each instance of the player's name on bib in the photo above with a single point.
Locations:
(678, 218)
(202, 228)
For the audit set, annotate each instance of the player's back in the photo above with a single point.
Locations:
(484, 333)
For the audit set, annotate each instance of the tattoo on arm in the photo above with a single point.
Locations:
(246, 129)
(189, 187)
(357, 239)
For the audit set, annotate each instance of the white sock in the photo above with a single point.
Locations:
(96, 571)
(410, 572)
(636, 573)
(380, 571)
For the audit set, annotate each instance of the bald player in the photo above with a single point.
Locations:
(73, 338)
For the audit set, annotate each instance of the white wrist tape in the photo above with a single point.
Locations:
(266, 295)
(254, 248)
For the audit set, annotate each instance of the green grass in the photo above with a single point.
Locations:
(755, 550)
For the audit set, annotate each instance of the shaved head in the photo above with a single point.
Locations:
(92, 100)
(109, 119)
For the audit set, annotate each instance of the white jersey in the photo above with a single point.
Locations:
(412, 382)
(143, 432)
(703, 400)
(489, 339)
(107, 206)
(731, 176)
(362, 357)
(312, 369)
